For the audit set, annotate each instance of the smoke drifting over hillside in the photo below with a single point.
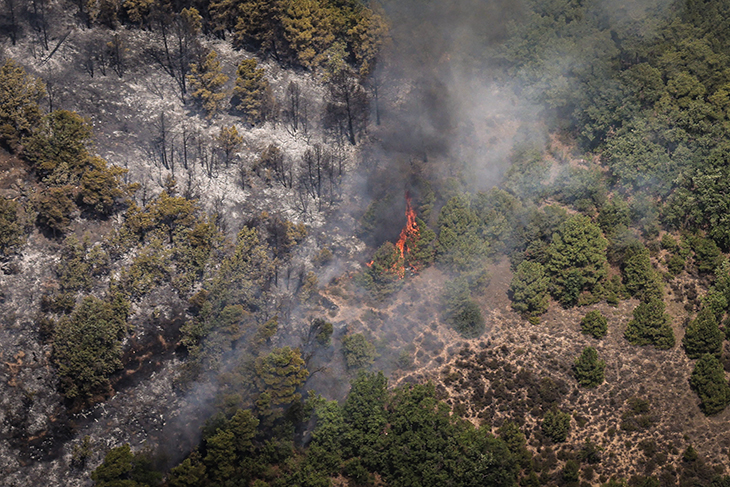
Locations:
(442, 99)
(459, 85)
(448, 96)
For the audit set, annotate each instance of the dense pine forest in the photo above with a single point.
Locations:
(364, 243)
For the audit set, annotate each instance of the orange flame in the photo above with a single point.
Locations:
(411, 228)
(410, 231)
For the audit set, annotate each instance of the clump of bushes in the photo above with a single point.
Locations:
(638, 415)
(358, 351)
(556, 425)
(594, 324)
(462, 312)
(11, 227)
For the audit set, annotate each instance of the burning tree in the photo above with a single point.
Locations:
(414, 249)
(421, 247)
(416, 241)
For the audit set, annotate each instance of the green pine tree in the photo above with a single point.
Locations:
(708, 381)
(367, 37)
(229, 142)
(20, 113)
(459, 243)
(100, 186)
(11, 229)
(420, 247)
(358, 351)
(650, 326)
(588, 368)
(116, 468)
(258, 25)
(220, 459)
(224, 14)
(280, 373)
(87, 347)
(207, 80)
(640, 278)
(529, 289)
(59, 149)
(703, 335)
(556, 425)
(461, 311)
(384, 275)
(190, 473)
(54, 207)
(576, 259)
(308, 29)
(252, 93)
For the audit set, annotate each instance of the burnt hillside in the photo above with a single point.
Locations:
(338, 242)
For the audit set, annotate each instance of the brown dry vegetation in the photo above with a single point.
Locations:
(516, 371)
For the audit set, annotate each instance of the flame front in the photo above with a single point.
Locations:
(409, 235)
(410, 230)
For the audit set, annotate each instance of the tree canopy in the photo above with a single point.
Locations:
(650, 325)
(709, 382)
(703, 335)
(529, 289)
(588, 368)
(87, 347)
(20, 113)
(206, 81)
(576, 259)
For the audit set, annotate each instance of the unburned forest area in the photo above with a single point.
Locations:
(314, 243)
